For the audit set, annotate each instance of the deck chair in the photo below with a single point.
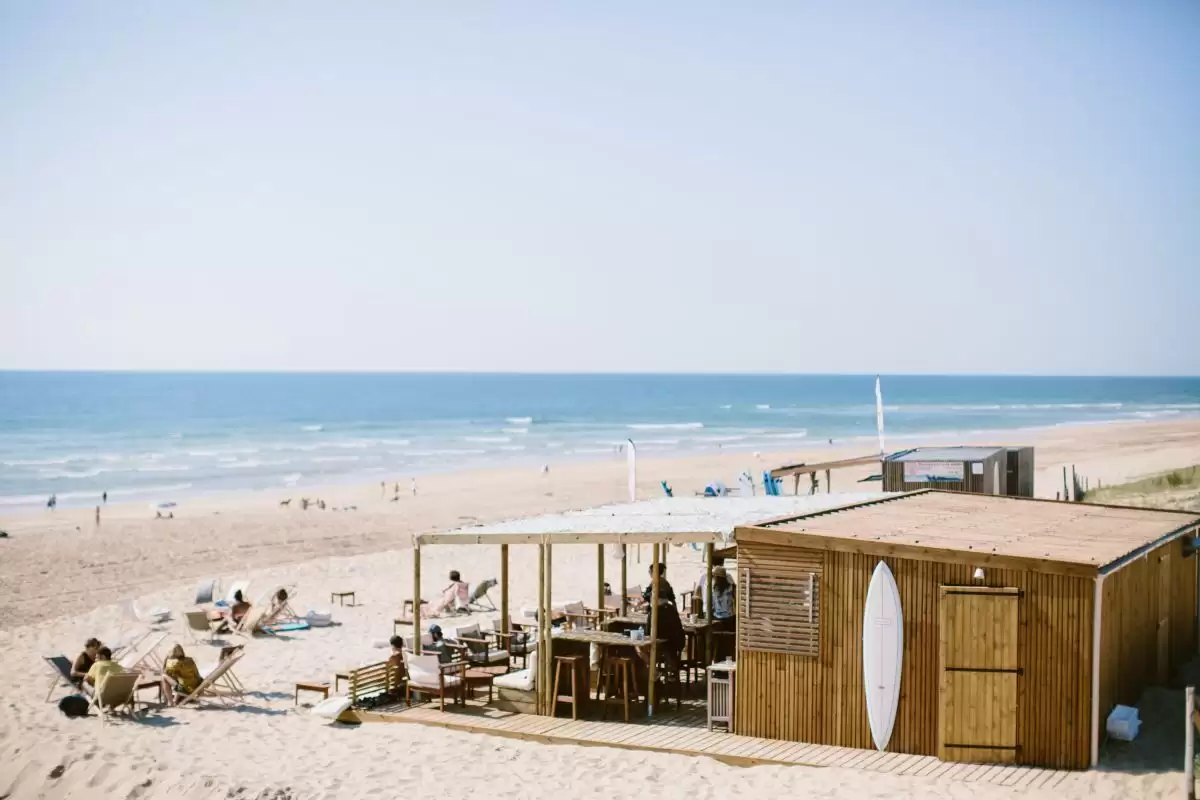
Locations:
(234, 588)
(277, 617)
(479, 600)
(61, 667)
(579, 618)
(116, 692)
(206, 592)
(427, 676)
(666, 487)
(426, 641)
(128, 640)
(219, 685)
(199, 623)
(142, 658)
(154, 616)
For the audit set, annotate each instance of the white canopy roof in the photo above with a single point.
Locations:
(667, 519)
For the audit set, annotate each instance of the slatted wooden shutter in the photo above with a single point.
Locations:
(779, 613)
(980, 670)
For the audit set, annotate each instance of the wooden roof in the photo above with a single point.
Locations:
(821, 466)
(1081, 537)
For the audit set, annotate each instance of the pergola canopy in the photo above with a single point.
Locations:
(665, 520)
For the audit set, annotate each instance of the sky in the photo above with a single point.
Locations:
(680, 186)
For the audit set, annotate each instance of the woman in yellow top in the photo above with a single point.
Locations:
(183, 670)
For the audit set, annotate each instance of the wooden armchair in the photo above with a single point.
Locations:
(479, 650)
(427, 676)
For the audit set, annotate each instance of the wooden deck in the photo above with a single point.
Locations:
(685, 733)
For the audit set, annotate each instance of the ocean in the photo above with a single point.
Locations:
(156, 437)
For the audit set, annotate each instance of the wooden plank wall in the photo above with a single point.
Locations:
(821, 700)
(893, 480)
(1131, 607)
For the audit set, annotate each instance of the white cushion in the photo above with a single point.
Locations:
(493, 656)
(431, 681)
(521, 681)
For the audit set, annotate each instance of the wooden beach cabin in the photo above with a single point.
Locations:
(1023, 622)
(978, 469)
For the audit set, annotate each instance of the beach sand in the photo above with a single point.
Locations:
(61, 577)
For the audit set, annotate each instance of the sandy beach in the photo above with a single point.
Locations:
(61, 576)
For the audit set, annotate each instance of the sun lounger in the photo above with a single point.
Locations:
(142, 658)
(61, 667)
(269, 616)
(479, 599)
(128, 640)
(219, 685)
(427, 676)
(116, 692)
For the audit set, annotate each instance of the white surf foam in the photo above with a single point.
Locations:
(519, 420)
(312, 428)
(488, 439)
(665, 426)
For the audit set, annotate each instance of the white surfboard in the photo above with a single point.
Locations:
(883, 653)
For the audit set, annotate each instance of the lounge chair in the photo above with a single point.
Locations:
(116, 692)
(479, 599)
(142, 658)
(128, 640)
(267, 617)
(154, 616)
(219, 685)
(479, 651)
(61, 667)
(427, 676)
(199, 623)
(206, 592)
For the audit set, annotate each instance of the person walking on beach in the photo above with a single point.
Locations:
(97, 515)
(104, 497)
(382, 489)
(414, 487)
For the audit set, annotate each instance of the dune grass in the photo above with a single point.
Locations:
(1176, 489)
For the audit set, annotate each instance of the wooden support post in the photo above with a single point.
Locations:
(650, 690)
(542, 676)
(505, 619)
(551, 691)
(600, 596)
(1066, 491)
(796, 486)
(828, 482)
(708, 601)
(625, 579)
(416, 599)
(1189, 745)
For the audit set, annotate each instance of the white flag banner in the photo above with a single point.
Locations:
(879, 414)
(631, 459)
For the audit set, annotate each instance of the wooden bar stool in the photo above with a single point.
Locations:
(618, 673)
(575, 665)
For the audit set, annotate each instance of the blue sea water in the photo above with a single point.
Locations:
(159, 436)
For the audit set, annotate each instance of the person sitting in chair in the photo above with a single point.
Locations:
(84, 661)
(239, 607)
(664, 588)
(183, 671)
(104, 666)
(454, 597)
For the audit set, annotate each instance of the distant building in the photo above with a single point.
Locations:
(978, 469)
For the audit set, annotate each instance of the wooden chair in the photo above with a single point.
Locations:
(575, 666)
(580, 618)
(668, 678)
(618, 673)
(481, 651)
(427, 676)
(116, 692)
(692, 662)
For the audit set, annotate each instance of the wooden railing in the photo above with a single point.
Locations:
(1189, 744)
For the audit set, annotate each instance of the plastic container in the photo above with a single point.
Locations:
(1123, 723)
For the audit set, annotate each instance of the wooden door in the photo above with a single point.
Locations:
(1162, 672)
(979, 673)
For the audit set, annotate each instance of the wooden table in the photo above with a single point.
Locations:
(312, 686)
(341, 598)
(475, 678)
(154, 681)
(699, 626)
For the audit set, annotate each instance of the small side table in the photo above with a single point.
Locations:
(315, 686)
(477, 678)
(339, 676)
(341, 598)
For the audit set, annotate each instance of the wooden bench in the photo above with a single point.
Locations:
(375, 681)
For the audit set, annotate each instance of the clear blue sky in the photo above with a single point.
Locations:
(844, 187)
